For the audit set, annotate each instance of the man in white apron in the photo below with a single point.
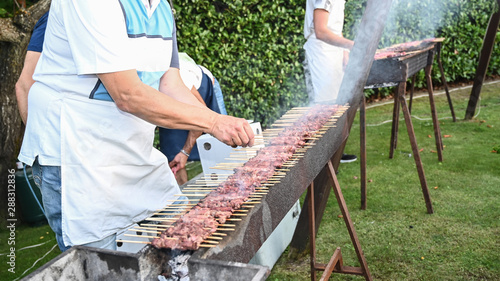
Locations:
(107, 76)
(326, 52)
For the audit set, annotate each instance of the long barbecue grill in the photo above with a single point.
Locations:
(238, 237)
(393, 66)
(254, 228)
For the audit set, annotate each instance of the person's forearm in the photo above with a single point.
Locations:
(25, 82)
(324, 34)
(191, 140)
(155, 107)
(173, 107)
(337, 40)
(22, 100)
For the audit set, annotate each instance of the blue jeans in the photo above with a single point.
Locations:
(48, 179)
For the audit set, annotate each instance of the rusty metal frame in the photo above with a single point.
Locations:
(400, 104)
(336, 264)
(438, 47)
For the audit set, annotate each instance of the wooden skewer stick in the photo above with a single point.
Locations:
(283, 125)
(225, 229)
(239, 215)
(145, 231)
(157, 225)
(177, 206)
(219, 168)
(168, 219)
(229, 164)
(211, 242)
(132, 241)
(211, 177)
(140, 228)
(212, 180)
(145, 236)
(215, 238)
(156, 219)
(238, 152)
(247, 149)
(226, 224)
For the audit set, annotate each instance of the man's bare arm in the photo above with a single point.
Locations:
(326, 35)
(173, 108)
(25, 82)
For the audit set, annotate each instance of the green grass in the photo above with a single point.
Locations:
(460, 241)
(27, 258)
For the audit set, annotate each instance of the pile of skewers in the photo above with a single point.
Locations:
(201, 224)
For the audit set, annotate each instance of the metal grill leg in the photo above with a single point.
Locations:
(435, 121)
(416, 155)
(335, 265)
(395, 118)
(362, 153)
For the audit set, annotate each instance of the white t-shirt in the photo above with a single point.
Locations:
(192, 73)
(324, 61)
(111, 175)
(335, 8)
(84, 39)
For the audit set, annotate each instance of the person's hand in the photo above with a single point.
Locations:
(178, 163)
(232, 131)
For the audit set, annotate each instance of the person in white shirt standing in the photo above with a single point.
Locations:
(326, 52)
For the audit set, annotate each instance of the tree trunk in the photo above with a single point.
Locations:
(15, 34)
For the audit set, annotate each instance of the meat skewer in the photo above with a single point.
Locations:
(203, 219)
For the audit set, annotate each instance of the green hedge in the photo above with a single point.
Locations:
(254, 48)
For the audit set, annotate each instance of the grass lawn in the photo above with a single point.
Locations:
(460, 241)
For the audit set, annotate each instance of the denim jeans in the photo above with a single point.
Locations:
(48, 179)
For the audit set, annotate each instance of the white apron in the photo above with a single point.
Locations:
(325, 63)
(111, 175)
